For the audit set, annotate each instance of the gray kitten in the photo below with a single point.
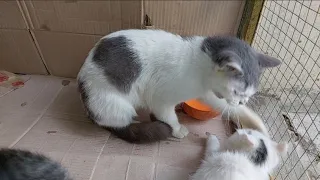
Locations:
(24, 165)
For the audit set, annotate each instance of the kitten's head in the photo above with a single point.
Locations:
(261, 150)
(237, 68)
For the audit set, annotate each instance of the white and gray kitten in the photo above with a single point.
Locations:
(156, 70)
(246, 155)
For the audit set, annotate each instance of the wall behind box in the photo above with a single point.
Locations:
(65, 31)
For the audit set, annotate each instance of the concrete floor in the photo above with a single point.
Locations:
(46, 116)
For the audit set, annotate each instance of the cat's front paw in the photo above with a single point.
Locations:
(180, 132)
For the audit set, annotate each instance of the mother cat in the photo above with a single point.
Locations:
(156, 70)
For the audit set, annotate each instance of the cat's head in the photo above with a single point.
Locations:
(261, 150)
(236, 68)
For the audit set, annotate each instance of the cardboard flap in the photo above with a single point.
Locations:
(195, 17)
(88, 17)
(11, 16)
(18, 53)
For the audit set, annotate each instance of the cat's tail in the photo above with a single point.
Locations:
(144, 132)
(249, 119)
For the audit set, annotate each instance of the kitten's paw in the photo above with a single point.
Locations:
(213, 144)
(213, 139)
(180, 132)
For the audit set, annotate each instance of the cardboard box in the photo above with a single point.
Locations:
(195, 17)
(87, 17)
(18, 53)
(64, 53)
(65, 31)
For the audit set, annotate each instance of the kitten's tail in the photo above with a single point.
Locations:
(145, 132)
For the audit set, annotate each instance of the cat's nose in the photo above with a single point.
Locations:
(242, 102)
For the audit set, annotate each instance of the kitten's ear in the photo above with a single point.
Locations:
(228, 63)
(247, 140)
(282, 147)
(266, 61)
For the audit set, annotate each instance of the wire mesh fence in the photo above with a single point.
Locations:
(288, 99)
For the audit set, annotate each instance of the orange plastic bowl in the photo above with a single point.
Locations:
(198, 110)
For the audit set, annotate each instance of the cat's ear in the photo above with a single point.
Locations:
(247, 140)
(232, 68)
(266, 61)
(229, 64)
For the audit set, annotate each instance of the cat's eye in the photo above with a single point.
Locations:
(232, 69)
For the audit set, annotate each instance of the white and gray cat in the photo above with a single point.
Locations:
(246, 155)
(156, 70)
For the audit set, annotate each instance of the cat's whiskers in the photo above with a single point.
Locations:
(231, 114)
(236, 114)
(225, 107)
(238, 118)
(228, 118)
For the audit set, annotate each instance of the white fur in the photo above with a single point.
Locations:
(231, 161)
(173, 71)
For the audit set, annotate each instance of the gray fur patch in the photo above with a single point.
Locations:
(215, 46)
(187, 38)
(260, 155)
(118, 61)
